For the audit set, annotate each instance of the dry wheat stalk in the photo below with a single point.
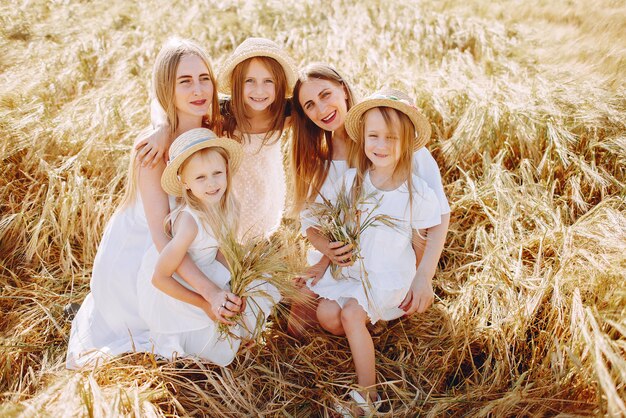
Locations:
(256, 263)
(344, 219)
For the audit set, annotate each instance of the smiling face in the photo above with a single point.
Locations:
(382, 142)
(205, 175)
(193, 87)
(259, 87)
(324, 102)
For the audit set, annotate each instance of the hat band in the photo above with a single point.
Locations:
(191, 144)
(392, 98)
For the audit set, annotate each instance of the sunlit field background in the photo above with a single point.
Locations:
(527, 101)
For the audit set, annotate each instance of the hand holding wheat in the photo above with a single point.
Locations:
(223, 305)
(262, 271)
(343, 220)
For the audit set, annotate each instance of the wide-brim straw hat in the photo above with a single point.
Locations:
(190, 142)
(396, 100)
(256, 47)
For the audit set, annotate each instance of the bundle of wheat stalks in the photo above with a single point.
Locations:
(344, 219)
(528, 113)
(260, 267)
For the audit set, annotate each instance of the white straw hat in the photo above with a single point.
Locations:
(256, 47)
(396, 100)
(190, 142)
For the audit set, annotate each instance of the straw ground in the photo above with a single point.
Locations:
(528, 107)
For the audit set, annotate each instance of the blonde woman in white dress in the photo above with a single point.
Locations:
(108, 322)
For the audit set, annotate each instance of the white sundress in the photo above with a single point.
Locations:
(388, 255)
(335, 172)
(424, 166)
(260, 185)
(181, 329)
(108, 323)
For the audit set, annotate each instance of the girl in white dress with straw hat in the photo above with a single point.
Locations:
(108, 321)
(387, 129)
(199, 173)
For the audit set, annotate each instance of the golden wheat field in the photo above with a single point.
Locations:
(527, 101)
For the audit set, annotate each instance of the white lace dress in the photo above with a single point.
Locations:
(388, 256)
(260, 185)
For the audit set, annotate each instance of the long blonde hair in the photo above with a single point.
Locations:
(164, 88)
(406, 135)
(235, 110)
(312, 150)
(164, 80)
(223, 215)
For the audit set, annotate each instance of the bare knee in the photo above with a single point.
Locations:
(353, 315)
(329, 316)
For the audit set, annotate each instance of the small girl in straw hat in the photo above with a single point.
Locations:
(199, 173)
(259, 77)
(387, 129)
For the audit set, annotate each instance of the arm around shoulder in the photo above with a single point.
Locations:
(153, 145)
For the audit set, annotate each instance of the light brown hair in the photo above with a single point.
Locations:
(164, 87)
(400, 123)
(235, 111)
(164, 80)
(312, 149)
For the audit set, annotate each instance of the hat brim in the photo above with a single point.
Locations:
(170, 181)
(354, 119)
(225, 71)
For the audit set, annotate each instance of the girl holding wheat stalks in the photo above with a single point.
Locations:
(320, 155)
(108, 322)
(387, 129)
(199, 172)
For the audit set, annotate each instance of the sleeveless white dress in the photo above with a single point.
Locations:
(260, 185)
(181, 329)
(388, 256)
(108, 322)
(335, 172)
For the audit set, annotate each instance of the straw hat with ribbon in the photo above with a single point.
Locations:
(396, 100)
(256, 47)
(188, 143)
